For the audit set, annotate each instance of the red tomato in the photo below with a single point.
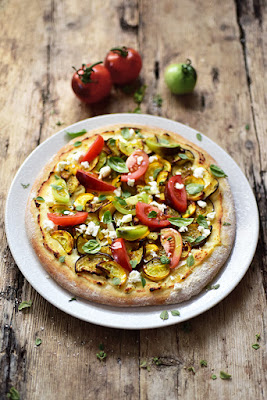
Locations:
(120, 254)
(91, 183)
(68, 220)
(142, 211)
(172, 242)
(91, 83)
(124, 64)
(94, 149)
(176, 198)
(136, 167)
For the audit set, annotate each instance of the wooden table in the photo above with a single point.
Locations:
(227, 43)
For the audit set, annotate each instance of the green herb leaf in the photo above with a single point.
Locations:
(247, 127)
(175, 313)
(156, 172)
(133, 263)
(213, 287)
(143, 281)
(213, 376)
(226, 224)
(192, 369)
(126, 194)
(56, 187)
(164, 315)
(38, 341)
(102, 197)
(72, 299)
(137, 110)
(73, 135)
(156, 361)
(217, 171)
(258, 337)
(139, 94)
(138, 133)
(61, 259)
(116, 281)
(77, 144)
(164, 260)
(25, 186)
(224, 375)
(152, 214)
(143, 364)
(121, 201)
(194, 188)
(189, 239)
(203, 363)
(180, 221)
(163, 141)
(112, 142)
(79, 208)
(117, 164)
(101, 355)
(256, 346)
(13, 394)
(56, 177)
(199, 136)
(157, 100)
(25, 304)
(91, 247)
(40, 199)
(199, 239)
(190, 260)
(107, 217)
(201, 220)
(183, 156)
(125, 132)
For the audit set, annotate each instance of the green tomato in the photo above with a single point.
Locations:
(180, 78)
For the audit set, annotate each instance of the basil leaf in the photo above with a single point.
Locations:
(73, 135)
(117, 164)
(156, 172)
(77, 144)
(25, 304)
(203, 363)
(247, 127)
(256, 346)
(125, 132)
(116, 281)
(13, 394)
(102, 197)
(164, 260)
(189, 239)
(201, 220)
(112, 142)
(180, 221)
(61, 259)
(25, 186)
(226, 224)
(107, 217)
(152, 214)
(126, 194)
(211, 287)
(217, 171)
(199, 239)
(133, 263)
(40, 199)
(190, 260)
(138, 133)
(157, 100)
(224, 375)
(258, 336)
(72, 299)
(79, 208)
(192, 369)
(121, 201)
(56, 177)
(143, 281)
(164, 315)
(175, 313)
(183, 156)
(194, 188)
(199, 136)
(213, 376)
(91, 247)
(38, 341)
(56, 187)
(163, 141)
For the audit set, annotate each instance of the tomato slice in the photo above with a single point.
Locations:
(137, 164)
(90, 182)
(172, 242)
(94, 149)
(120, 254)
(176, 198)
(68, 220)
(142, 212)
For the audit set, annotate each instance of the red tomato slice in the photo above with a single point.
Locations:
(94, 149)
(172, 242)
(68, 220)
(142, 211)
(176, 198)
(120, 254)
(93, 184)
(137, 164)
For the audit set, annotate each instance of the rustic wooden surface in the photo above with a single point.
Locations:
(227, 42)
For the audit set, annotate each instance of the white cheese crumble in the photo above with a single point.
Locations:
(48, 225)
(181, 263)
(61, 165)
(92, 229)
(139, 160)
(81, 229)
(161, 207)
(85, 164)
(152, 158)
(126, 218)
(130, 182)
(77, 156)
(95, 200)
(211, 215)
(179, 185)
(205, 232)
(117, 192)
(104, 172)
(202, 203)
(153, 186)
(134, 277)
(178, 173)
(177, 286)
(199, 172)
(132, 132)
(109, 232)
(153, 253)
(183, 229)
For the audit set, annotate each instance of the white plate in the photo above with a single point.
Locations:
(138, 317)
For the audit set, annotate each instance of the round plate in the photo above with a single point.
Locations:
(137, 317)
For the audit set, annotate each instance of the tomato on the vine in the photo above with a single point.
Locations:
(91, 83)
(124, 64)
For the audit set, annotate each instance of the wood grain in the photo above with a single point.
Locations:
(226, 41)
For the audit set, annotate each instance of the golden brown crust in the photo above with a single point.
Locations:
(97, 290)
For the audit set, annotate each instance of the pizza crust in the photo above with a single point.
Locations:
(92, 288)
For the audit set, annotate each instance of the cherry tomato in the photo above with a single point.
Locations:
(176, 198)
(68, 220)
(120, 254)
(157, 221)
(124, 64)
(172, 243)
(180, 78)
(91, 183)
(91, 83)
(94, 149)
(137, 163)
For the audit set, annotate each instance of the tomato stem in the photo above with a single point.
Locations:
(122, 51)
(86, 75)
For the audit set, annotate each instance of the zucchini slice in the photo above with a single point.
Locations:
(155, 270)
(65, 239)
(90, 262)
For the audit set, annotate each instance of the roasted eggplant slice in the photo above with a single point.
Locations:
(155, 270)
(89, 263)
(65, 239)
(183, 156)
(195, 238)
(112, 270)
(72, 184)
(137, 255)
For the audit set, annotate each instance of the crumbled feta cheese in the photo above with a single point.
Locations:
(134, 277)
(77, 156)
(61, 165)
(126, 218)
(153, 253)
(130, 182)
(117, 245)
(104, 172)
(172, 278)
(211, 215)
(179, 185)
(67, 212)
(132, 132)
(203, 231)
(177, 286)
(199, 172)
(109, 232)
(85, 164)
(181, 263)
(117, 192)
(95, 200)
(92, 229)
(153, 187)
(152, 158)
(81, 229)
(178, 173)
(202, 203)
(48, 225)
(139, 160)
(161, 207)
(151, 178)
(183, 229)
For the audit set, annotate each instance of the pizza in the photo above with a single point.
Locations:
(131, 216)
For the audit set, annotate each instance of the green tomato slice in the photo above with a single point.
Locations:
(60, 191)
(162, 146)
(132, 233)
